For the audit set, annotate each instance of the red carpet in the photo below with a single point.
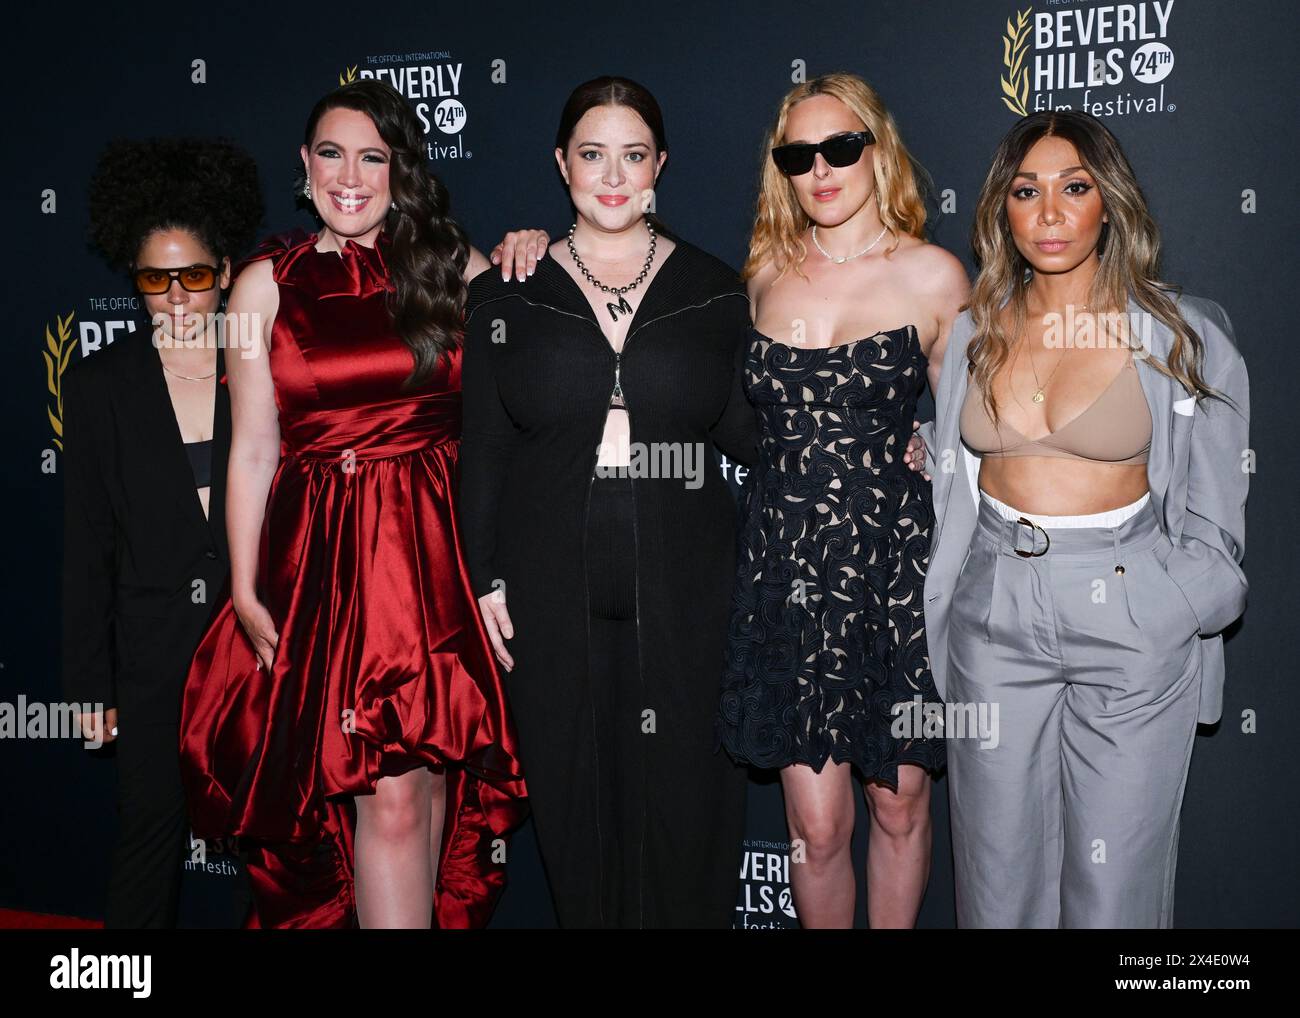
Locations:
(14, 920)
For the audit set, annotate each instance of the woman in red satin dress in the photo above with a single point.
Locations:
(343, 715)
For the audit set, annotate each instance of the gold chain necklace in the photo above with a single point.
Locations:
(1039, 396)
(188, 378)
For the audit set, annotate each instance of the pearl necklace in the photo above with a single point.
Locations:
(841, 259)
(622, 307)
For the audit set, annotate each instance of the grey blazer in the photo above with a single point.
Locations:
(1197, 470)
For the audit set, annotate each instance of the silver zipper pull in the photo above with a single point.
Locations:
(617, 399)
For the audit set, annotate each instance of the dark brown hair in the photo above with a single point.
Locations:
(610, 90)
(429, 249)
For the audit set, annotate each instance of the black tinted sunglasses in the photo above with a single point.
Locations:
(841, 150)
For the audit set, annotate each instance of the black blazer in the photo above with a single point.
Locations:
(136, 541)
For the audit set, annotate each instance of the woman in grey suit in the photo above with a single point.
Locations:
(1079, 579)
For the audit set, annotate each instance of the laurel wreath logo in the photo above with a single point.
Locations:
(349, 75)
(1015, 44)
(57, 355)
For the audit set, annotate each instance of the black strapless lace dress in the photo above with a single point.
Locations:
(826, 627)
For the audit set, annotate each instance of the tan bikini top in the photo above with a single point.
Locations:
(1115, 429)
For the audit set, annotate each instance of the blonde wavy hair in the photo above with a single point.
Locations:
(1129, 250)
(780, 222)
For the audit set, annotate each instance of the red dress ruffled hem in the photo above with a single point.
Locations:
(300, 864)
(382, 663)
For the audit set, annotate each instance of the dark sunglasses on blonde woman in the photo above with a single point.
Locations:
(842, 150)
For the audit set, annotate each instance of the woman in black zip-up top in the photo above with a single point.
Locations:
(600, 532)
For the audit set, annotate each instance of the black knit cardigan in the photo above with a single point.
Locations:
(537, 376)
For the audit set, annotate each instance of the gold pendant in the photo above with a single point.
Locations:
(1039, 397)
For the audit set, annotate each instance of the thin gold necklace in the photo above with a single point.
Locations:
(188, 378)
(1039, 396)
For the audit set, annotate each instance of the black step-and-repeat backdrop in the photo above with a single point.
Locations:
(1201, 94)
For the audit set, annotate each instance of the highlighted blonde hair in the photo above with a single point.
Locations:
(780, 222)
(1129, 250)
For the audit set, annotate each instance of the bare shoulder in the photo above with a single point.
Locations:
(930, 269)
(757, 284)
(477, 263)
(937, 283)
(256, 285)
(251, 310)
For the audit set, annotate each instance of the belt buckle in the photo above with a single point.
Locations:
(1033, 526)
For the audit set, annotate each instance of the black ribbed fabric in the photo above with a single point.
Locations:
(537, 374)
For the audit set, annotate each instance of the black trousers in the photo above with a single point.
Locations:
(145, 876)
(628, 810)
(617, 703)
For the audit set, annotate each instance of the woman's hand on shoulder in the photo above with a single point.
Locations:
(519, 252)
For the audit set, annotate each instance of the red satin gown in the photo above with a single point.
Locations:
(382, 664)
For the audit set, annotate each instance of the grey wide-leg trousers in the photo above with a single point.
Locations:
(1086, 653)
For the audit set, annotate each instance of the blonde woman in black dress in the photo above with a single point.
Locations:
(826, 631)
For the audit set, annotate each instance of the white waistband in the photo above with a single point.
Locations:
(1110, 518)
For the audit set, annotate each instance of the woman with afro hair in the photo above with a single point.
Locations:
(146, 436)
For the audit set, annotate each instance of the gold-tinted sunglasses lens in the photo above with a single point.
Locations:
(195, 278)
(152, 281)
(198, 277)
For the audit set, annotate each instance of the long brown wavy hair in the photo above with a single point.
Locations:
(1129, 249)
(780, 221)
(429, 250)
